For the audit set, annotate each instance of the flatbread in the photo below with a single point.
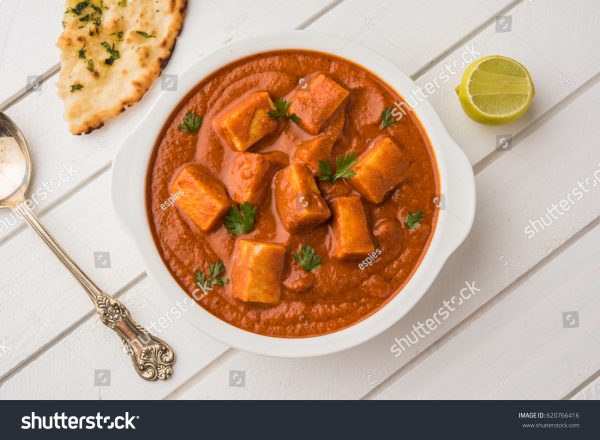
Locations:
(112, 51)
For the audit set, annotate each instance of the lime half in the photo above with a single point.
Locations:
(495, 90)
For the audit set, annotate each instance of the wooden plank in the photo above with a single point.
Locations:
(28, 33)
(94, 347)
(518, 187)
(539, 342)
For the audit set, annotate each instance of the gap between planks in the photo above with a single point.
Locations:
(323, 11)
(25, 91)
(63, 198)
(199, 376)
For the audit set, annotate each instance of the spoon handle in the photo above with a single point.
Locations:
(152, 358)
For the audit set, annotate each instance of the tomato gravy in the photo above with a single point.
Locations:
(347, 286)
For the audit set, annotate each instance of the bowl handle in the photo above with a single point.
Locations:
(462, 206)
(126, 196)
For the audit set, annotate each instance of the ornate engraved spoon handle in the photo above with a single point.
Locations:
(152, 358)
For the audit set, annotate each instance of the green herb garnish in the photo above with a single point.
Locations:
(118, 35)
(307, 258)
(145, 34)
(387, 119)
(90, 65)
(240, 218)
(191, 123)
(98, 9)
(91, 17)
(114, 53)
(413, 219)
(214, 278)
(282, 108)
(81, 52)
(343, 164)
(76, 87)
(78, 9)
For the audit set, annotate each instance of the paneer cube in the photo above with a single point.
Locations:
(351, 237)
(202, 197)
(257, 271)
(320, 147)
(315, 101)
(314, 150)
(299, 202)
(251, 175)
(246, 122)
(379, 170)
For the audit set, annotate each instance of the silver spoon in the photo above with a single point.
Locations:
(152, 358)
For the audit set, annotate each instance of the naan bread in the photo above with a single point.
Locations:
(111, 53)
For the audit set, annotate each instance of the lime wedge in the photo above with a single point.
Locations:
(495, 90)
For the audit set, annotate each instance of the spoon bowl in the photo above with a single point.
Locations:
(15, 164)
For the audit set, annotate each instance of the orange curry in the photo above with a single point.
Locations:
(288, 198)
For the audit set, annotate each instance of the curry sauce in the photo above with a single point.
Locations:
(276, 131)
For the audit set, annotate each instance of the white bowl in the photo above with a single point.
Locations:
(457, 184)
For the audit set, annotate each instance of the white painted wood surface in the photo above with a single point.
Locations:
(507, 341)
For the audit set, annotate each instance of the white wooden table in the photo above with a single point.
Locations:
(532, 331)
